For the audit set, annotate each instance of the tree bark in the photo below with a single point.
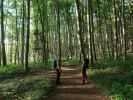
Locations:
(80, 32)
(91, 31)
(27, 37)
(58, 31)
(22, 34)
(123, 31)
(3, 35)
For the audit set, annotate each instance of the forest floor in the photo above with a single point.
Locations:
(71, 87)
(15, 85)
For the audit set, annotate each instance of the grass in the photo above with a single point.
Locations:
(25, 88)
(119, 63)
(12, 70)
(15, 85)
(115, 78)
(71, 62)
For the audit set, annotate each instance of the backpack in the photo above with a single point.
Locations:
(55, 64)
(86, 63)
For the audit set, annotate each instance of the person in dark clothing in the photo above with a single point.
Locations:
(55, 63)
(58, 74)
(57, 70)
(84, 68)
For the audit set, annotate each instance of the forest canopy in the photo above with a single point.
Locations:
(65, 28)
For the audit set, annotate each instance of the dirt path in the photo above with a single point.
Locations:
(71, 87)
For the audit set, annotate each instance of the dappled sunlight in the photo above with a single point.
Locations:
(69, 96)
(24, 88)
(76, 86)
(68, 68)
(71, 87)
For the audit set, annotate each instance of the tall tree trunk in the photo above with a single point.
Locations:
(100, 44)
(78, 4)
(91, 31)
(11, 48)
(123, 30)
(116, 31)
(43, 33)
(93, 41)
(27, 37)
(0, 54)
(3, 35)
(22, 35)
(17, 36)
(47, 35)
(69, 26)
(58, 30)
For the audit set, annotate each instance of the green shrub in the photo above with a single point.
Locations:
(114, 83)
(71, 62)
(119, 63)
(25, 88)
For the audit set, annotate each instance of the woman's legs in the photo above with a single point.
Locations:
(84, 77)
(58, 76)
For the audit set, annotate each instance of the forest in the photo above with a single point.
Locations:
(35, 32)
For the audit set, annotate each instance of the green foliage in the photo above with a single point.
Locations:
(66, 3)
(71, 61)
(115, 78)
(25, 88)
(114, 83)
(15, 85)
(47, 66)
(14, 70)
(119, 63)
(10, 69)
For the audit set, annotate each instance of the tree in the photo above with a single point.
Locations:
(0, 53)
(123, 30)
(91, 30)
(23, 32)
(16, 58)
(58, 29)
(27, 36)
(3, 52)
(80, 32)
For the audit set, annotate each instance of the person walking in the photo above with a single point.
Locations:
(84, 69)
(57, 70)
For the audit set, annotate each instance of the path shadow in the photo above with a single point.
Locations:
(71, 87)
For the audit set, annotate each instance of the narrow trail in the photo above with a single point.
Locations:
(71, 87)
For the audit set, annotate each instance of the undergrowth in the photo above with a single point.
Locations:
(115, 78)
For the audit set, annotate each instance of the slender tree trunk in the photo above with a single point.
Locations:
(58, 31)
(0, 53)
(80, 28)
(27, 37)
(123, 30)
(91, 31)
(17, 36)
(100, 44)
(116, 31)
(22, 35)
(43, 33)
(93, 41)
(3, 35)
(11, 49)
(70, 45)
